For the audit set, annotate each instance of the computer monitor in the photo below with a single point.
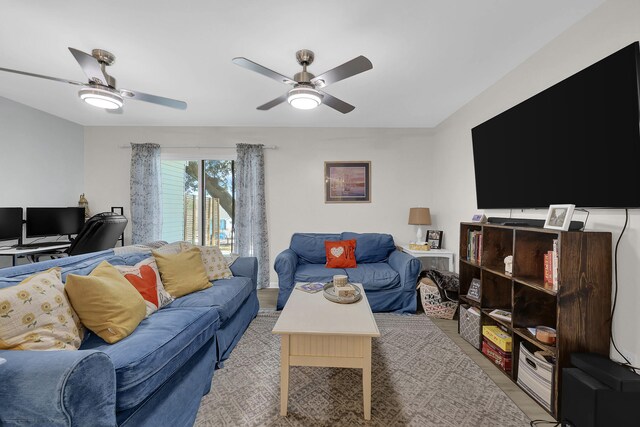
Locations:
(54, 221)
(10, 223)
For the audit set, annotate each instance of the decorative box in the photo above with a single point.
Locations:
(497, 336)
(432, 302)
(535, 376)
(470, 325)
(499, 357)
(417, 247)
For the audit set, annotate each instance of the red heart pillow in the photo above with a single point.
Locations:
(340, 254)
(145, 283)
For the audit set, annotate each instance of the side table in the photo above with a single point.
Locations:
(433, 253)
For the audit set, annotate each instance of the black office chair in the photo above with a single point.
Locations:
(100, 232)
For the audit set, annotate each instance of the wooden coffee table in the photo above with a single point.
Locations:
(317, 332)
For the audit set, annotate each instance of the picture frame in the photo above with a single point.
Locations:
(347, 182)
(434, 239)
(559, 217)
(117, 209)
(475, 289)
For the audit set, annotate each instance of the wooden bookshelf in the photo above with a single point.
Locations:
(579, 310)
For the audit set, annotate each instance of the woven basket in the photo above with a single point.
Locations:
(432, 302)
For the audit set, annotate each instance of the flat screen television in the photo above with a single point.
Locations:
(577, 142)
(10, 223)
(54, 221)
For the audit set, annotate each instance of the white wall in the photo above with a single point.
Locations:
(294, 173)
(614, 25)
(41, 159)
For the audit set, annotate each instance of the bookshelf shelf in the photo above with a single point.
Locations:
(579, 310)
(524, 333)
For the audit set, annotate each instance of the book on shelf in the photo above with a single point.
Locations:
(554, 262)
(548, 269)
(501, 314)
(312, 287)
(474, 246)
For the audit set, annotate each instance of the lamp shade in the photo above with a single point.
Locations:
(419, 216)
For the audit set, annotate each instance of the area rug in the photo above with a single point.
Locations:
(419, 378)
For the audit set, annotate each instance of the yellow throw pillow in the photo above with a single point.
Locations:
(36, 315)
(214, 263)
(106, 302)
(182, 273)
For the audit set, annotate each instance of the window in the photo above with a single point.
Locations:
(198, 202)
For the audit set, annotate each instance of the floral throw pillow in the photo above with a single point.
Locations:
(144, 276)
(214, 262)
(36, 315)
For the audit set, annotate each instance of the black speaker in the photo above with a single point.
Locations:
(589, 402)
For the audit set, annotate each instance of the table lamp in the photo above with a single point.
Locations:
(419, 216)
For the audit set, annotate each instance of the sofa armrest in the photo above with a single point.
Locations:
(408, 267)
(57, 388)
(285, 265)
(246, 266)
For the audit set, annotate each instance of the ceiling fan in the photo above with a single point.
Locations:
(306, 93)
(101, 89)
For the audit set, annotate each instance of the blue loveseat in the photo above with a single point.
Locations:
(156, 376)
(388, 276)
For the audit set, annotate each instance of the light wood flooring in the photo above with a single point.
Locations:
(268, 297)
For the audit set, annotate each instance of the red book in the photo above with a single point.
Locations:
(548, 268)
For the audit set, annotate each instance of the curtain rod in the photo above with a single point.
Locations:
(266, 147)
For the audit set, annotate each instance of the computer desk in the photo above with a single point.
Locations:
(16, 253)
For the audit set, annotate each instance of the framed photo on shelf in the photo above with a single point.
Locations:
(434, 239)
(347, 182)
(559, 217)
(474, 290)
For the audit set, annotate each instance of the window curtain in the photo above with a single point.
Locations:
(146, 214)
(251, 213)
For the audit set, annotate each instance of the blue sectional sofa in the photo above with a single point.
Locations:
(156, 376)
(388, 276)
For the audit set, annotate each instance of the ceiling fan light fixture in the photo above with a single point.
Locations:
(304, 98)
(101, 98)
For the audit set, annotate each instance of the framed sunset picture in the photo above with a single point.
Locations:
(347, 182)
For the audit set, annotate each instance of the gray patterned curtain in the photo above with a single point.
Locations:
(251, 213)
(146, 214)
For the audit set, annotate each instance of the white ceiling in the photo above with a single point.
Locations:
(430, 57)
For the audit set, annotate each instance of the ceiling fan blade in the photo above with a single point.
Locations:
(40, 76)
(341, 72)
(269, 105)
(154, 99)
(250, 65)
(336, 104)
(90, 66)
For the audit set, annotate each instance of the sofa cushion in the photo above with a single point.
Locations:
(36, 315)
(145, 277)
(106, 302)
(340, 254)
(182, 273)
(160, 345)
(214, 262)
(226, 296)
(316, 273)
(374, 277)
(78, 264)
(371, 247)
(310, 246)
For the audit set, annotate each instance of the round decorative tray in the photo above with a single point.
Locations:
(330, 294)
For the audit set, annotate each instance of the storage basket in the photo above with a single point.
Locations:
(470, 326)
(432, 302)
(535, 376)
